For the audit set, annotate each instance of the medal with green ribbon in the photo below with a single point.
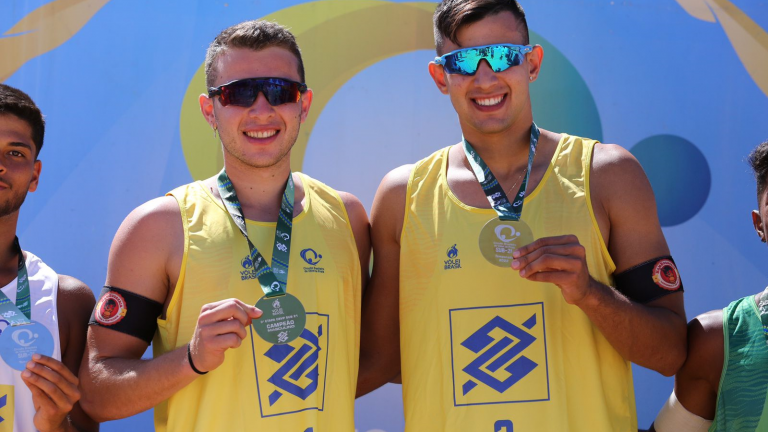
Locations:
(501, 236)
(284, 317)
(22, 337)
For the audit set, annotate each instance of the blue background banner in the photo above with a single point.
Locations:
(682, 84)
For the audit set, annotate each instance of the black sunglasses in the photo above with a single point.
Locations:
(243, 92)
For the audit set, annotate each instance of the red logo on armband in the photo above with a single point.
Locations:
(111, 309)
(665, 275)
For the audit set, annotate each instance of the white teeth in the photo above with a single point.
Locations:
(489, 101)
(262, 134)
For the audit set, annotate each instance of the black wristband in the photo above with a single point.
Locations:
(192, 365)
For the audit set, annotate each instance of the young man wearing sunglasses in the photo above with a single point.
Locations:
(497, 331)
(723, 385)
(192, 264)
(43, 316)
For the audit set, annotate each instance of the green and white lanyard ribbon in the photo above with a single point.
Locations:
(21, 312)
(507, 211)
(762, 308)
(273, 279)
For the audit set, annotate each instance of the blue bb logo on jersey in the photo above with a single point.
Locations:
(504, 360)
(313, 259)
(6, 408)
(453, 261)
(291, 377)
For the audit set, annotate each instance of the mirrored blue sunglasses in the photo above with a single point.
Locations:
(500, 57)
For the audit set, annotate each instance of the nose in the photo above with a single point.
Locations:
(261, 108)
(485, 77)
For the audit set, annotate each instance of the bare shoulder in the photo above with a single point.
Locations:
(705, 349)
(389, 204)
(148, 248)
(612, 162)
(74, 303)
(354, 207)
(396, 181)
(75, 294)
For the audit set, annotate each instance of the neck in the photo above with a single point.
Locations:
(505, 152)
(8, 257)
(259, 190)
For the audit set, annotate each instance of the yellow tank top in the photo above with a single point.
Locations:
(484, 350)
(307, 385)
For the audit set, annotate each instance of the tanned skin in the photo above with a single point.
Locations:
(652, 335)
(698, 381)
(258, 167)
(53, 383)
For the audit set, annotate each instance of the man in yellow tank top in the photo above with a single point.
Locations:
(545, 345)
(186, 269)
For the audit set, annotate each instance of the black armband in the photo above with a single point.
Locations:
(650, 280)
(111, 311)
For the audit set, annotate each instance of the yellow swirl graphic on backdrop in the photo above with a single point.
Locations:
(42, 30)
(748, 39)
(338, 39)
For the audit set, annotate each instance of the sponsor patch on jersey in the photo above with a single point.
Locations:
(111, 309)
(313, 258)
(7, 407)
(665, 275)
(499, 354)
(291, 378)
(453, 261)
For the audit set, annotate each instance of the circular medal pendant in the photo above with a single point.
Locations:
(18, 343)
(283, 319)
(499, 239)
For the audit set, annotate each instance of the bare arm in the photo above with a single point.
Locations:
(380, 333)
(145, 258)
(53, 383)
(652, 335)
(697, 382)
(74, 306)
(361, 229)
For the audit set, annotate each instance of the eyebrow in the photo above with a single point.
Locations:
(20, 144)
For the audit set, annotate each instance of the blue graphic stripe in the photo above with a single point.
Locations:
(286, 220)
(277, 261)
(490, 185)
(262, 271)
(286, 200)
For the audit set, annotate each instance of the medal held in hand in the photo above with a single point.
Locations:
(22, 337)
(284, 317)
(501, 236)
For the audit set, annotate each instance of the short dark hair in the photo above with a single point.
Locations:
(16, 102)
(451, 15)
(253, 35)
(758, 160)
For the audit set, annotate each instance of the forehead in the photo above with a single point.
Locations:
(14, 129)
(502, 27)
(239, 63)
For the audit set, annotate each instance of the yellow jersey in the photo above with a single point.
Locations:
(485, 350)
(305, 386)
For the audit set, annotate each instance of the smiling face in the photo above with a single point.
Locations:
(490, 103)
(19, 171)
(261, 135)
